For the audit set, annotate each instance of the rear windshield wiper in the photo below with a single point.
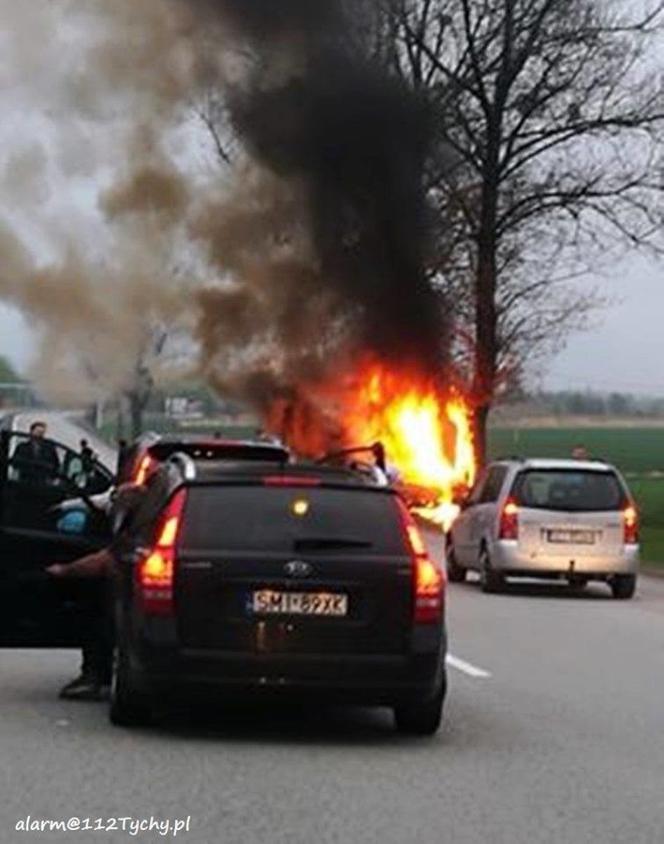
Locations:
(312, 543)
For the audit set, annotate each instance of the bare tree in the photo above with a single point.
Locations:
(211, 109)
(138, 393)
(549, 117)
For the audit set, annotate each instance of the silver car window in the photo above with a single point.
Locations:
(493, 485)
(569, 490)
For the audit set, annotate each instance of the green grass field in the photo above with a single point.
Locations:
(637, 452)
(633, 450)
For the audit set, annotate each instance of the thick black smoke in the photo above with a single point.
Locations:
(267, 19)
(357, 138)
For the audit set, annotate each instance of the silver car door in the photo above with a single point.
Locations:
(464, 528)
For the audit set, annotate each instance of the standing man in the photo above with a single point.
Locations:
(87, 456)
(36, 459)
(94, 681)
(580, 452)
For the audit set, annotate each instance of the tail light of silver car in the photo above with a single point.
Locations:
(509, 520)
(155, 573)
(428, 578)
(630, 525)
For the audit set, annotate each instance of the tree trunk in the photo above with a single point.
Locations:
(138, 396)
(485, 356)
(480, 433)
(486, 314)
(136, 408)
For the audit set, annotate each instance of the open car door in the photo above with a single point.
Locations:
(53, 509)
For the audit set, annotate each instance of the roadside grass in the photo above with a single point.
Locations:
(652, 546)
(637, 450)
(649, 494)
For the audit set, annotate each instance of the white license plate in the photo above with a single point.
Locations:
(572, 537)
(269, 602)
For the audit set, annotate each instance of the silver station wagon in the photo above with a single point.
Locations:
(565, 519)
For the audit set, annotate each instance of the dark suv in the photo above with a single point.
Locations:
(272, 579)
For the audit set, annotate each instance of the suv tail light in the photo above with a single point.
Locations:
(509, 520)
(630, 525)
(143, 470)
(155, 573)
(428, 578)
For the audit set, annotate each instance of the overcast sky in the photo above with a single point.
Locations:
(621, 350)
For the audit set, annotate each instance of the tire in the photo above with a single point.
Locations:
(623, 586)
(455, 572)
(491, 581)
(423, 718)
(128, 707)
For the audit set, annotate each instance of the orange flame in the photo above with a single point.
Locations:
(427, 436)
(426, 431)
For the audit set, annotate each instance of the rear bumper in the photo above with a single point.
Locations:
(508, 558)
(169, 672)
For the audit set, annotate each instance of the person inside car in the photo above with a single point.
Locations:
(36, 459)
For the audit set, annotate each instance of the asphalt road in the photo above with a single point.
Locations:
(563, 742)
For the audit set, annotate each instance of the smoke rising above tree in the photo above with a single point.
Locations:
(313, 242)
(323, 238)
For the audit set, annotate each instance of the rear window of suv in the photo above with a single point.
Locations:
(569, 490)
(218, 451)
(292, 519)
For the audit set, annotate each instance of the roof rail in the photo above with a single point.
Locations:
(185, 464)
(377, 450)
(376, 471)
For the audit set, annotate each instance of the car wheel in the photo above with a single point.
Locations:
(491, 581)
(128, 707)
(623, 586)
(422, 718)
(455, 572)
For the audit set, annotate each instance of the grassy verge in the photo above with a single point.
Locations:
(637, 450)
(649, 494)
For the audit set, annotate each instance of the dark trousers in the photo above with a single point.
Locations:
(98, 632)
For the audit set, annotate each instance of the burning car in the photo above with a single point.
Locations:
(423, 429)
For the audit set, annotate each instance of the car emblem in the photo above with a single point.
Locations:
(298, 568)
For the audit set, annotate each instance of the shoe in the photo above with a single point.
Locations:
(85, 688)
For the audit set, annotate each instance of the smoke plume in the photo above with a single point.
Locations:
(100, 278)
(322, 240)
(304, 253)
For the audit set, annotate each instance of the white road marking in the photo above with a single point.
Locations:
(467, 668)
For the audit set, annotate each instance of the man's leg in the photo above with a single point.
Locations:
(97, 647)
